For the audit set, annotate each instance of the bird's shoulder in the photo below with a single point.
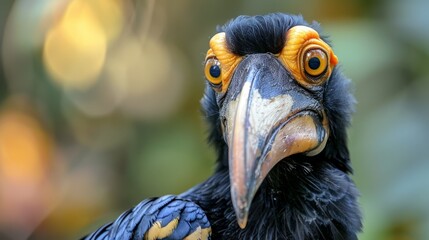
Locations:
(167, 217)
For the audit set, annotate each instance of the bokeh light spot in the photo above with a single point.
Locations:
(75, 49)
(24, 146)
(110, 14)
(151, 75)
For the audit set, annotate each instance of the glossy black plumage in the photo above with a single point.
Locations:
(136, 222)
(301, 198)
(259, 34)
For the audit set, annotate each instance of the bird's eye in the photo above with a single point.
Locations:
(213, 72)
(315, 63)
(307, 57)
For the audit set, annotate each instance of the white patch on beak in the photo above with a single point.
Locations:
(263, 113)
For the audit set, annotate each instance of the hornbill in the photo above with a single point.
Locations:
(278, 108)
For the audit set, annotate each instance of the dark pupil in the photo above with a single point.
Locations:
(215, 71)
(314, 63)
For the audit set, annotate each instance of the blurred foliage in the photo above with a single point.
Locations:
(99, 107)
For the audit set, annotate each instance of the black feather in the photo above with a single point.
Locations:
(259, 34)
(136, 222)
(339, 104)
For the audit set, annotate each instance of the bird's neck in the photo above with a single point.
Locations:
(294, 200)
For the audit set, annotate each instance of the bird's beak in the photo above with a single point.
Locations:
(269, 117)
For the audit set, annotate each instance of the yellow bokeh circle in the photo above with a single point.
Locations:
(75, 49)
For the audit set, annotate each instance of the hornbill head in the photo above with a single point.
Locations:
(278, 94)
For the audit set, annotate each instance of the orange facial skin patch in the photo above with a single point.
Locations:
(228, 60)
(300, 40)
(303, 45)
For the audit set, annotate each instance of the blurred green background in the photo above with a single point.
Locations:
(99, 107)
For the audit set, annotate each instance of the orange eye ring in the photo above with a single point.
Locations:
(307, 57)
(213, 72)
(315, 64)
